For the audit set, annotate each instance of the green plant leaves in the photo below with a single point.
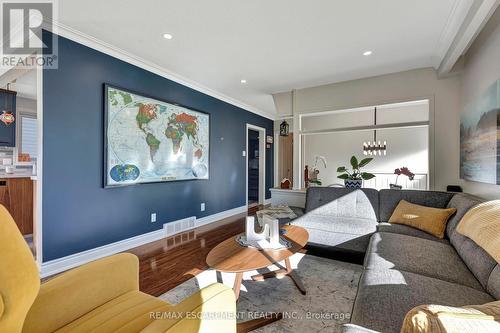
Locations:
(365, 161)
(356, 174)
(354, 162)
(367, 175)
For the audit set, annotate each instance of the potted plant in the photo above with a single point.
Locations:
(398, 172)
(354, 178)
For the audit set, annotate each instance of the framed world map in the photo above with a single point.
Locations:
(148, 140)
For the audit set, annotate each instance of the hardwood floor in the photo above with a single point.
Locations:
(166, 263)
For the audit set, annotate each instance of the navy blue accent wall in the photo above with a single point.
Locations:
(78, 213)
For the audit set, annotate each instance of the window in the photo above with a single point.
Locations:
(28, 134)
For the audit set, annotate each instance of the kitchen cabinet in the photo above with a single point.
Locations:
(16, 194)
(8, 132)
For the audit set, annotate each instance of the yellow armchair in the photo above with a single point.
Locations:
(102, 296)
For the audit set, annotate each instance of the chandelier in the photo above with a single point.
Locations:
(375, 148)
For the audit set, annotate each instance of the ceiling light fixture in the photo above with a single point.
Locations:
(243, 81)
(375, 148)
(367, 53)
(168, 36)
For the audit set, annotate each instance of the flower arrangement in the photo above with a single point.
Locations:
(402, 171)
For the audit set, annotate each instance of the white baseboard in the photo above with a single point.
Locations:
(62, 264)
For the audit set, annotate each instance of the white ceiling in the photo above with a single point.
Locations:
(20, 80)
(276, 45)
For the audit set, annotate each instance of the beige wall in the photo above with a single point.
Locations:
(482, 68)
(444, 96)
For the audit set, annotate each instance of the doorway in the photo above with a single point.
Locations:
(255, 165)
(19, 151)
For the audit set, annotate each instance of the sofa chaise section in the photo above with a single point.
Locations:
(340, 218)
(404, 268)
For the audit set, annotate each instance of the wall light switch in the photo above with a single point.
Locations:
(153, 217)
(243, 153)
(202, 207)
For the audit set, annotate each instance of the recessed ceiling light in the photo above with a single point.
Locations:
(367, 53)
(168, 36)
(243, 81)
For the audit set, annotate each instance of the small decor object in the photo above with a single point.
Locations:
(285, 184)
(354, 178)
(398, 172)
(269, 139)
(480, 138)
(306, 176)
(9, 105)
(313, 174)
(148, 140)
(7, 117)
(268, 239)
(284, 128)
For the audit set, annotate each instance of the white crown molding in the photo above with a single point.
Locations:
(104, 47)
(453, 22)
(473, 22)
(63, 264)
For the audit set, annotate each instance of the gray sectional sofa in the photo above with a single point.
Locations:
(403, 267)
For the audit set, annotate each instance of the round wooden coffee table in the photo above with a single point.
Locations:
(231, 257)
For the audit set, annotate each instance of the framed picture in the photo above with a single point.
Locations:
(147, 140)
(480, 137)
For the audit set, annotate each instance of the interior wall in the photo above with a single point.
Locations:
(418, 84)
(78, 213)
(405, 147)
(481, 69)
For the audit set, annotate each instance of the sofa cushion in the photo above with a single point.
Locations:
(345, 233)
(130, 312)
(343, 202)
(434, 318)
(344, 225)
(389, 199)
(386, 295)
(406, 230)
(417, 255)
(493, 286)
(429, 219)
(462, 202)
(482, 224)
(479, 262)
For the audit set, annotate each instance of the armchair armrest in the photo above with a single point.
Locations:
(74, 293)
(212, 309)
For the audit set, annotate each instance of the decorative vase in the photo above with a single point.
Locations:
(395, 187)
(353, 183)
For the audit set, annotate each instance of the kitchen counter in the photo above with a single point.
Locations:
(18, 174)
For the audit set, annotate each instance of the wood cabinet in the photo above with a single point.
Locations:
(16, 194)
(285, 157)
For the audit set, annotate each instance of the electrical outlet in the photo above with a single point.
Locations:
(153, 217)
(243, 153)
(202, 207)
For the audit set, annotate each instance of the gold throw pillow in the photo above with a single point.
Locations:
(428, 219)
(446, 319)
(482, 224)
